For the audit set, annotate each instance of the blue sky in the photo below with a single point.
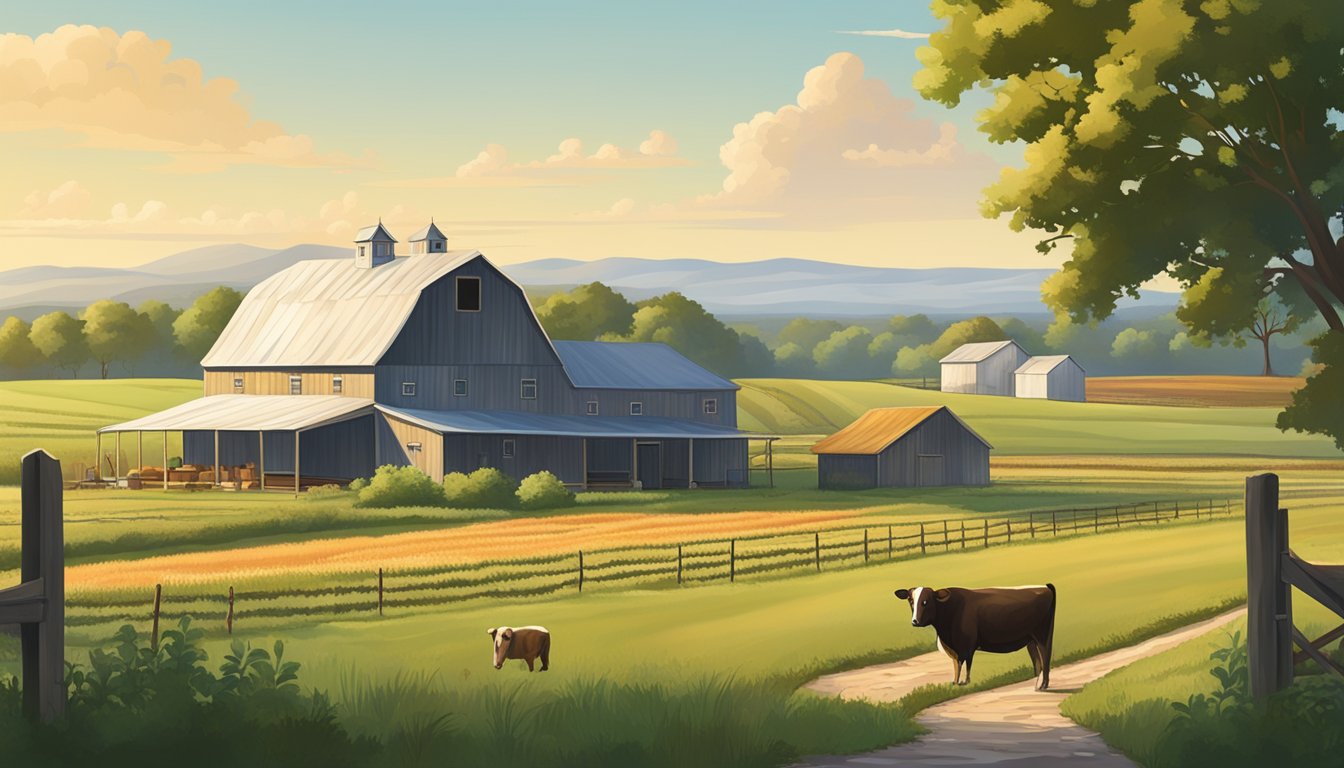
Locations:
(413, 91)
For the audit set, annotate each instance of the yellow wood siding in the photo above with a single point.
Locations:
(277, 383)
(429, 459)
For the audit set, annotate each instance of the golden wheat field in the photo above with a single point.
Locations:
(1195, 391)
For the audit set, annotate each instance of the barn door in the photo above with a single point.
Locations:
(931, 470)
(650, 465)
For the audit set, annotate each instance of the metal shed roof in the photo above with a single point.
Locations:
(1045, 364)
(877, 429)
(250, 413)
(428, 232)
(634, 365)
(974, 353)
(328, 312)
(519, 423)
(371, 233)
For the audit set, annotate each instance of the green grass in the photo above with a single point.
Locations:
(61, 417)
(1034, 427)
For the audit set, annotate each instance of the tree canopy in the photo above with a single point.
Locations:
(60, 339)
(115, 332)
(1199, 139)
(199, 325)
(585, 313)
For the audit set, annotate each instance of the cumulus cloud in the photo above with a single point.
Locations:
(67, 201)
(125, 91)
(657, 151)
(848, 150)
(898, 33)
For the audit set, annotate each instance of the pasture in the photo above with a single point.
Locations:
(1195, 391)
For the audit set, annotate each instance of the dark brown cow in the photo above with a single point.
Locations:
(526, 643)
(997, 620)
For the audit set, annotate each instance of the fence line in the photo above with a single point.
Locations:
(674, 564)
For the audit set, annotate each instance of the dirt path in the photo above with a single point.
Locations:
(1009, 726)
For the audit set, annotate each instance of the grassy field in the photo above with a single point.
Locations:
(1029, 427)
(1195, 391)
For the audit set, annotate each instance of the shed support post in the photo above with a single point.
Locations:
(634, 461)
(585, 468)
(218, 479)
(261, 460)
(1269, 622)
(139, 450)
(297, 436)
(165, 459)
(770, 460)
(116, 465)
(690, 462)
(98, 459)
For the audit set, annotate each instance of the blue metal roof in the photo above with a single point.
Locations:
(519, 423)
(633, 365)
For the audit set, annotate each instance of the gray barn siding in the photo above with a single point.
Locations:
(676, 404)
(343, 450)
(561, 456)
(610, 454)
(503, 332)
(846, 471)
(489, 387)
(965, 459)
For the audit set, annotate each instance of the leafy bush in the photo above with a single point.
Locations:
(400, 487)
(486, 488)
(543, 490)
(322, 492)
(359, 483)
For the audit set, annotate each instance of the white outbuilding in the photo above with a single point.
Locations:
(984, 368)
(1052, 377)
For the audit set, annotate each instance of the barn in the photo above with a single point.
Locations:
(1052, 377)
(903, 448)
(983, 368)
(435, 359)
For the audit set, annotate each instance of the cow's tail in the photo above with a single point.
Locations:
(1054, 600)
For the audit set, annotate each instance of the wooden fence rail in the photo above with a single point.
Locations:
(688, 563)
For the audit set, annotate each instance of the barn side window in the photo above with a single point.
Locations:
(711, 406)
(592, 407)
(238, 384)
(636, 409)
(468, 294)
(337, 385)
(459, 387)
(529, 389)
(408, 389)
(296, 385)
(508, 449)
(414, 447)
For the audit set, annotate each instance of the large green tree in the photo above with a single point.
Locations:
(1199, 139)
(585, 313)
(60, 339)
(197, 328)
(16, 348)
(115, 333)
(684, 325)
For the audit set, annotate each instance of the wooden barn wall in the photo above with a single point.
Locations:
(504, 332)
(844, 471)
(609, 454)
(394, 434)
(965, 459)
(676, 404)
(721, 462)
(561, 456)
(342, 451)
(489, 387)
(220, 382)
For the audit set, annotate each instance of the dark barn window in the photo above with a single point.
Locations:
(711, 406)
(468, 294)
(408, 388)
(337, 385)
(592, 407)
(529, 389)
(237, 383)
(296, 385)
(413, 447)
(459, 388)
(636, 409)
(508, 451)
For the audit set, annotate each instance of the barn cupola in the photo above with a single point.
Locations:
(374, 246)
(429, 240)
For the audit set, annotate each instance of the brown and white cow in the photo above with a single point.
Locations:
(526, 643)
(996, 620)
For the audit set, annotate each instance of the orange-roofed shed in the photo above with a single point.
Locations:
(903, 448)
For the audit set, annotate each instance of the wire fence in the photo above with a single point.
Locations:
(691, 563)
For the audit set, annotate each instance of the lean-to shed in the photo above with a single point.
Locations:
(903, 447)
(1052, 377)
(983, 368)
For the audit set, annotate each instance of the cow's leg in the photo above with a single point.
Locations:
(545, 653)
(1034, 651)
(1047, 648)
(956, 662)
(970, 657)
(528, 659)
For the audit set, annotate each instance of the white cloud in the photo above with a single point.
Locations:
(898, 33)
(941, 151)
(67, 201)
(124, 91)
(657, 151)
(658, 144)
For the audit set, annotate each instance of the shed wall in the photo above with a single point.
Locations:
(393, 436)
(965, 458)
(268, 382)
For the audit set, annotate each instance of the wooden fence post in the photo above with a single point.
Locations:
(1269, 620)
(865, 545)
(1054, 524)
(986, 532)
(732, 557)
(947, 542)
(922, 550)
(1117, 518)
(37, 603)
(1031, 523)
(1009, 523)
(154, 633)
(888, 542)
(228, 620)
(1178, 511)
(818, 544)
(1096, 520)
(678, 564)
(380, 591)
(963, 534)
(580, 570)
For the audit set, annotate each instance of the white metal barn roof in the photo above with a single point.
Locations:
(1044, 364)
(974, 353)
(519, 423)
(328, 312)
(633, 365)
(250, 413)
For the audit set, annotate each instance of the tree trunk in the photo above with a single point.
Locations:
(1269, 370)
(103, 366)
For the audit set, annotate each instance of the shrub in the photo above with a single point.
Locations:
(486, 488)
(359, 483)
(329, 491)
(400, 487)
(543, 491)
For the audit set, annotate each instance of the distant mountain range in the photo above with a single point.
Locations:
(768, 287)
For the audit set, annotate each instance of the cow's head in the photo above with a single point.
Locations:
(923, 603)
(503, 637)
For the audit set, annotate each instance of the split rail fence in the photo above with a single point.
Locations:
(699, 562)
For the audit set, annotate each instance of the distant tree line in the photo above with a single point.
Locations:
(112, 337)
